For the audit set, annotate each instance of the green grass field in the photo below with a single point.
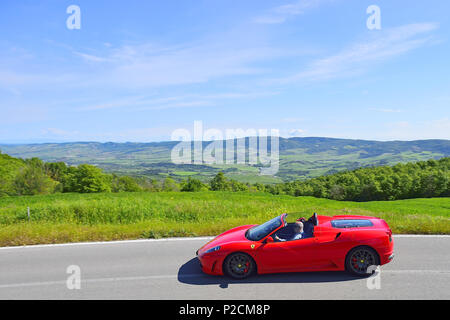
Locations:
(62, 218)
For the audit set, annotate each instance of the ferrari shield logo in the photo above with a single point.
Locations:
(252, 246)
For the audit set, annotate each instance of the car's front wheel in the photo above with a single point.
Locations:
(239, 265)
(359, 260)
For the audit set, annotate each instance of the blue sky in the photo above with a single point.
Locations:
(138, 70)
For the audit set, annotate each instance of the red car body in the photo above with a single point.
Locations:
(326, 250)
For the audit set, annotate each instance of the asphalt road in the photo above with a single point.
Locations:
(167, 269)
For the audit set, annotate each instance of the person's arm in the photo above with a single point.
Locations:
(298, 236)
(279, 239)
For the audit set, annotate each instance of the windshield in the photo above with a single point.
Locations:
(259, 232)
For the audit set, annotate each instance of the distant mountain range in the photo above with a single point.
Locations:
(300, 158)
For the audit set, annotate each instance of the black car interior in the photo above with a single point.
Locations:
(288, 232)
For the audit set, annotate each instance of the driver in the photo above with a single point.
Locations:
(298, 232)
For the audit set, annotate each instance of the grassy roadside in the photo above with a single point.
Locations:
(63, 218)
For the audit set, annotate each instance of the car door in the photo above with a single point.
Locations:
(330, 248)
(295, 255)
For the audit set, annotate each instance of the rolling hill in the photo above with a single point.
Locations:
(300, 158)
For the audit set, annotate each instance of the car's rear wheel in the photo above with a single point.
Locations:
(359, 260)
(239, 265)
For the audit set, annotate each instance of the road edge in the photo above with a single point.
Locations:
(205, 238)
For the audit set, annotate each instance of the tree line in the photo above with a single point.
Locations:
(410, 180)
(421, 179)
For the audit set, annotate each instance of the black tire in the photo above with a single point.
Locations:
(359, 259)
(239, 265)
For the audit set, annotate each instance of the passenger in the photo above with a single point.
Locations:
(298, 232)
(308, 226)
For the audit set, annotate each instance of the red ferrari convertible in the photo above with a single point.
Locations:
(347, 242)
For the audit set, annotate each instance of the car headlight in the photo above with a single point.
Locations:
(213, 249)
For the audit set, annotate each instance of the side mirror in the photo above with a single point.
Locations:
(268, 240)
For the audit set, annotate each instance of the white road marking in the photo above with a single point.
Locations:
(421, 236)
(63, 282)
(417, 271)
(107, 242)
(178, 239)
(159, 277)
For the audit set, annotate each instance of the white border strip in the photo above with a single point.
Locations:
(421, 236)
(107, 242)
(178, 239)
(85, 281)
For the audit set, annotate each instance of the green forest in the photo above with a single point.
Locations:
(423, 179)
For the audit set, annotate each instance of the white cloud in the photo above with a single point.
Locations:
(296, 132)
(290, 133)
(407, 130)
(148, 65)
(143, 66)
(90, 57)
(140, 103)
(282, 13)
(60, 133)
(292, 120)
(360, 56)
(13, 79)
(161, 133)
(182, 104)
(386, 110)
